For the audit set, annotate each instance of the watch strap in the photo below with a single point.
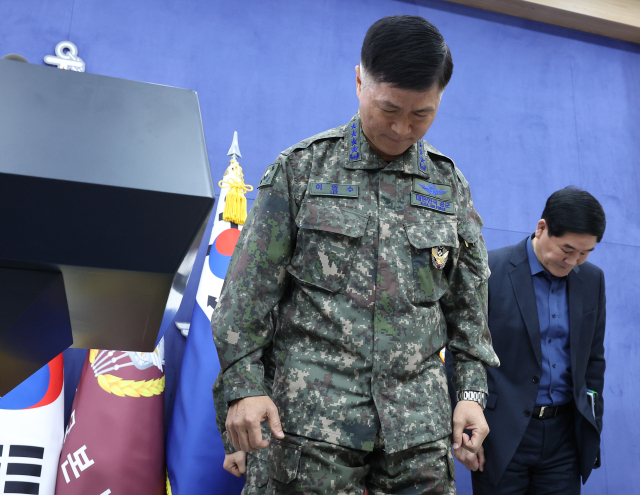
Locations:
(472, 395)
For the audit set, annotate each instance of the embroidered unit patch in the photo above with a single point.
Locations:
(439, 191)
(327, 189)
(269, 176)
(432, 203)
(431, 189)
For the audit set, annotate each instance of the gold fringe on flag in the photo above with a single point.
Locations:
(235, 205)
(168, 483)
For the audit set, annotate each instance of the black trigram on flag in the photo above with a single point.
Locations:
(233, 225)
(19, 469)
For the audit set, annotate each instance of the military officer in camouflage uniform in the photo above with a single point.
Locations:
(367, 238)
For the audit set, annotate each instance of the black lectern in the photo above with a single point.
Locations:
(105, 190)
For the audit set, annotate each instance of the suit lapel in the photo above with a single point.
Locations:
(574, 288)
(522, 284)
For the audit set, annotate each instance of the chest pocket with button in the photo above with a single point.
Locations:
(429, 282)
(328, 237)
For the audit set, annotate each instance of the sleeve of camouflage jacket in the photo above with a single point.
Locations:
(465, 302)
(255, 283)
(222, 409)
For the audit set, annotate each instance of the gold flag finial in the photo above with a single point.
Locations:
(235, 204)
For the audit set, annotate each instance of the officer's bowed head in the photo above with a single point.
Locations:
(404, 68)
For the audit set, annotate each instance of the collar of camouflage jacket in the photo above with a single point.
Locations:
(360, 155)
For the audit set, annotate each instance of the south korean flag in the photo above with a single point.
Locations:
(32, 431)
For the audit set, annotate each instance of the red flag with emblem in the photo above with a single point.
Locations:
(114, 442)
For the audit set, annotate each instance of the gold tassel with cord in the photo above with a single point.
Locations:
(235, 204)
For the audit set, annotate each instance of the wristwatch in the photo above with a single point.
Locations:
(479, 397)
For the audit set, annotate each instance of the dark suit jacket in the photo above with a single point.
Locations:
(513, 387)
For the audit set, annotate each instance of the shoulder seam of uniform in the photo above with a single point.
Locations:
(431, 149)
(459, 174)
(305, 143)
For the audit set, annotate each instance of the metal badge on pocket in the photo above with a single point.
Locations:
(439, 256)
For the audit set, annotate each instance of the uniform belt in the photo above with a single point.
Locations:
(546, 412)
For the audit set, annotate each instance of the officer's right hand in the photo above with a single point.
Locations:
(244, 419)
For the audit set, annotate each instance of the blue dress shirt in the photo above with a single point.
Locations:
(556, 385)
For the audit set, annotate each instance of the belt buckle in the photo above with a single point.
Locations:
(542, 409)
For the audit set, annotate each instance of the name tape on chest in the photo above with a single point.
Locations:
(328, 189)
(269, 176)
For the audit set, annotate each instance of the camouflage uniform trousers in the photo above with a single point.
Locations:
(256, 477)
(300, 465)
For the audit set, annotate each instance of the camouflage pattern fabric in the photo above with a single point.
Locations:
(222, 407)
(300, 465)
(257, 476)
(343, 242)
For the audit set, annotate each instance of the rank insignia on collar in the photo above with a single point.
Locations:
(421, 161)
(354, 141)
(439, 256)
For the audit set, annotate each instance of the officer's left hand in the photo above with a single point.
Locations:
(468, 415)
(235, 463)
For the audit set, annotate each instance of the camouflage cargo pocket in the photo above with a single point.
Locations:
(328, 237)
(430, 282)
(283, 460)
(257, 475)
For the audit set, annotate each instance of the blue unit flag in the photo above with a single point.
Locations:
(194, 447)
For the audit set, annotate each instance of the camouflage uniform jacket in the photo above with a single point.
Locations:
(343, 240)
(222, 408)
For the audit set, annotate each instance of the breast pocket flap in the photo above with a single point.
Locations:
(328, 238)
(469, 231)
(425, 235)
(331, 219)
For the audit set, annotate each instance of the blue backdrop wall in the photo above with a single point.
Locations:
(531, 108)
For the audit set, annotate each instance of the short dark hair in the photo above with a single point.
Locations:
(576, 211)
(407, 52)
